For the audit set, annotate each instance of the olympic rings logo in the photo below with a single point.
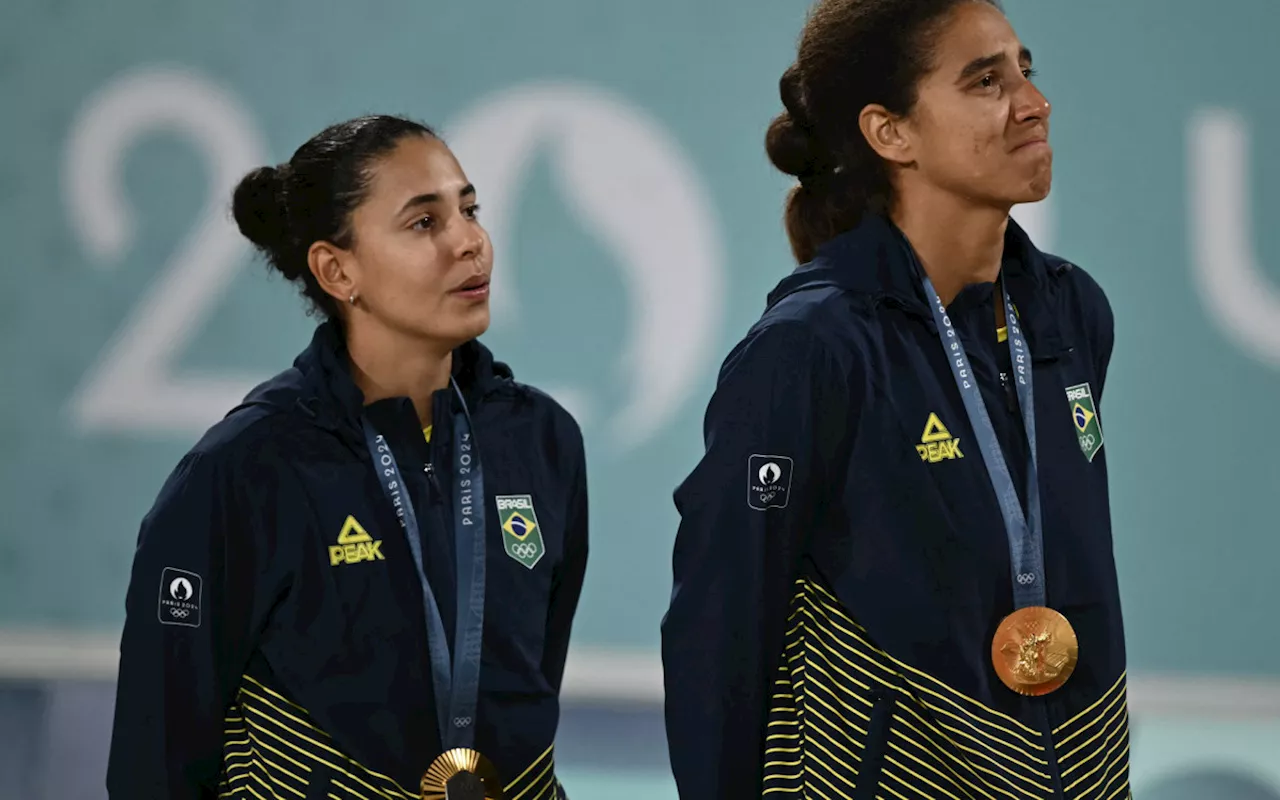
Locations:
(461, 722)
(1026, 578)
(524, 550)
(1087, 441)
(179, 613)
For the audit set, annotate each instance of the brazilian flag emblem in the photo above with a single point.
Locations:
(521, 535)
(1084, 415)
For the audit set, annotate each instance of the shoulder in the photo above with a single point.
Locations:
(1082, 298)
(252, 445)
(236, 487)
(548, 411)
(520, 420)
(211, 478)
(819, 331)
(250, 435)
(826, 311)
(504, 400)
(781, 359)
(1080, 283)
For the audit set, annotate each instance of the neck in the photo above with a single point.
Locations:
(958, 243)
(385, 364)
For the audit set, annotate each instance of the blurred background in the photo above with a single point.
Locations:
(135, 317)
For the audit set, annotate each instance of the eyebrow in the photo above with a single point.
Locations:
(980, 65)
(434, 197)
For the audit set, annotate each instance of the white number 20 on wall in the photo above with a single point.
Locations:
(132, 386)
(628, 173)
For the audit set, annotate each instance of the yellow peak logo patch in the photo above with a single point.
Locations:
(937, 443)
(354, 545)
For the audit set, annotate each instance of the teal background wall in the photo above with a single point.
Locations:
(618, 152)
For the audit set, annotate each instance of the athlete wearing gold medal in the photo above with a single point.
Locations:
(916, 597)
(368, 572)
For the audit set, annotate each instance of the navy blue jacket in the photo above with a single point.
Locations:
(841, 564)
(275, 635)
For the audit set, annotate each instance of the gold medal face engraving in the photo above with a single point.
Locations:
(1034, 651)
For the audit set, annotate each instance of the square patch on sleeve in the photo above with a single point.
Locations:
(180, 598)
(768, 481)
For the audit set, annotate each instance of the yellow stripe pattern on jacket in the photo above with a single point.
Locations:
(845, 713)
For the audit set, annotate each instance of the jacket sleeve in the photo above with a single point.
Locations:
(192, 612)
(567, 582)
(771, 432)
(1100, 324)
(1105, 340)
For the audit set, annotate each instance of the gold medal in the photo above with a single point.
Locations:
(461, 774)
(1034, 651)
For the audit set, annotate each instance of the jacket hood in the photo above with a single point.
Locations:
(319, 385)
(875, 262)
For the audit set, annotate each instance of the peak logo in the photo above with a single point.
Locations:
(354, 545)
(937, 443)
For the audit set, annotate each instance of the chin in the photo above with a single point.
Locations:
(471, 325)
(1032, 191)
(1031, 196)
(453, 332)
(1040, 184)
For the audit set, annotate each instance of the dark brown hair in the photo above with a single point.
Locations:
(851, 53)
(285, 209)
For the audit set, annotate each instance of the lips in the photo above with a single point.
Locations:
(473, 283)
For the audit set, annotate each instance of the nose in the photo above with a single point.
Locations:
(1030, 104)
(470, 240)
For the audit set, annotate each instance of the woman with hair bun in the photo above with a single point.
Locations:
(361, 582)
(893, 572)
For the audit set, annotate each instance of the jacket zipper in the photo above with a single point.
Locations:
(1010, 394)
(430, 471)
(439, 409)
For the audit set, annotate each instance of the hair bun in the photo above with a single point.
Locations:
(791, 142)
(790, 147)
(259, 209)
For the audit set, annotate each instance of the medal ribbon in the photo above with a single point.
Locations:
(1026, 553)
(456, 688)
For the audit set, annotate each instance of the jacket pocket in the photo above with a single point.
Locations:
(877, 744)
